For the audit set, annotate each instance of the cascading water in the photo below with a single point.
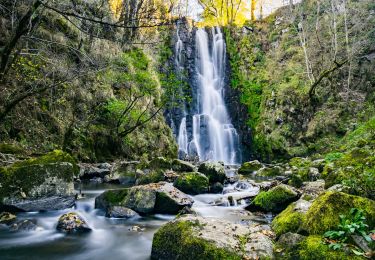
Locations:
(214, 137)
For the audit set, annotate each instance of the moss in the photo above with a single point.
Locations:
(192, 183)
(249, 167)
(214, 171)
(288, 220)
(152, 177)
(314, 248)
(176, 241)
(323, 215)
(11, 149)
(160, 163)
(115, 197)
(276, 199)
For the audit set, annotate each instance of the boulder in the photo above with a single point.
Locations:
(313, 188)
(160, 163)
(23, 225)
(89, 171)
(153, 198)
(274, 200)
(192, 183)
(193, 237)
(7, 218)
(217, 187)
(120, 212)
(324, 213)
(214, 171)
(72, 223)
(249, 167)
(290, 240)
(182, 166)
(124, 172)
(270, 171)
(43, 183)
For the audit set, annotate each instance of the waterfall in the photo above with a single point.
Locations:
(205, 128)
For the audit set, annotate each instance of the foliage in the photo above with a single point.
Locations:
(354, 224)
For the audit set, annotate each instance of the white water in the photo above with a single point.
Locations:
(222, 137)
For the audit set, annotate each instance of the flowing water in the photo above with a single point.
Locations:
(213, 136)
(110, 237)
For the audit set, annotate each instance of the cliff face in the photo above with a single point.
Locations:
(305, 86)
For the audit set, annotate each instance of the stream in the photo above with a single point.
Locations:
(109, 237)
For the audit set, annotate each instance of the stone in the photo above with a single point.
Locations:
(217, 187)
(274, 200)
(313, 188)
(214, 171)
(42, 183)
(120, 212)
(290, 240)
(340, 188)
(152, 198)
(182, 166)
(270, 171)
(193, 237)
(24, 225)
(249, 167)
(7, 218)
(314, 174)
(192, 183)
(89, 171)
(72, 223)
(160, 163)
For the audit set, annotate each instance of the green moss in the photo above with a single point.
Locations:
(276, 199)
(175, 241)
(152, 177)
(192, 183)
(115, 197)
(288, 220)
(249, 167)
(314, 248)
(323, 215)
(10, 148)
(160, 163)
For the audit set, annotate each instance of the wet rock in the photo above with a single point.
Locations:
(214, 171)
(182, 166)
(217, 187)
(290, 240)
(152, 198)
(249, 167)
(274, 200)
(191, 237)
(313, 189)
(7, 218)
(137, 229)
(90, 171)
(72, 223)
(187, 210)
(120, 212)
(124, 172)
(24, 225)
(43, 183)
(192, 183)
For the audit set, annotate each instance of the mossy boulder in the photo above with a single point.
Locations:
(191, 237)
(274, 200)
(292, 218)
(270, 171)
(182, 166)
(160, 163)
(192, 183)
(72, 223)
(249, 167)
(313, 248)
(213, 170)
(323, 215)
(42, 183)
(153, 176)
(153, 198)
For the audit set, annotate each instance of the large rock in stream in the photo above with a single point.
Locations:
(192, 237)
(37, 184)
(152, 198)
(214, 171)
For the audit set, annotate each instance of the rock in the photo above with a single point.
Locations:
(186, 210)
(146, 199)
(319, 164)
(313, 174)
(290, 240)
(182, 166)
(274, 200)
(7, 218)
(192, 237)
(89, 171)
(43, 183)
(340, 188)
(249, 167)
(217, 187)
(120, 212)
(136, 229)
(270, 171)
(330, 205)
(267, 185)
(153, 176)
(313, 189)
(160, 163)
(125, 172)
(72, 223)
(192, 183)
(24, 225)
(214, 171)
(291, 219)
(170, 176)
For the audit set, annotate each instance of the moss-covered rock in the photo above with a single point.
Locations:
(40, 183)
(323, 215)
(192, 183)
(8, 148)
(7, 218)
(153, 176)
(72, 223)
(249, 167)
(160, 163)
(270, 171)
(192, 237)
(182, 166)
(274, 200)
(313, 248)
(110, 198)
(213, 170)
